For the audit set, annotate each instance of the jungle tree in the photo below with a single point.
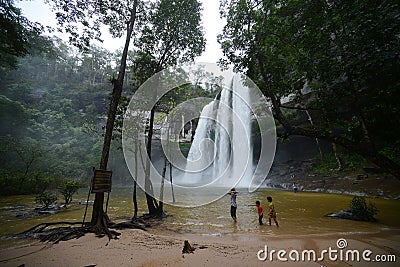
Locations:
(172, 35)
(83, 21)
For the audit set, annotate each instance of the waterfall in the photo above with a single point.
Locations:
(221, 152)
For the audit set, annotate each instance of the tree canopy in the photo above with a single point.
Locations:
(17, 34)
(337, 59)
(171, 35)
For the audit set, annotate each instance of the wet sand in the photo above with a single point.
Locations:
(151, 248)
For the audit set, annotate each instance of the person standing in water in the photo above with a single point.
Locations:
(295, 188)
(233, 194)
(259, 211)
(271, 212)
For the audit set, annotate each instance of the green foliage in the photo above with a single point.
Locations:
(350, 162)
(173, 33)
(361, 210)
(91, 16)
(392, 151)
(46, 199)
(39, 182)
(325, 164)
(12, 116)
(185, 148)
(47, 106)
(340, 59)
(17, 183)
(68, 189)
(16, 34)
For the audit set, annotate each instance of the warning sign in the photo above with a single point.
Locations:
(101, 181)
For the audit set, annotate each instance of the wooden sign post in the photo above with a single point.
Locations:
(101, 181)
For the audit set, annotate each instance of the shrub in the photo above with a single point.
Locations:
(361, 210)
(68, 189)
(46, 198)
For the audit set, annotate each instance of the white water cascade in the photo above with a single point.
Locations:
(221, 152)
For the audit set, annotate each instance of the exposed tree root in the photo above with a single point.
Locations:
(55, 234)
(40, 227)
(147, 216)
(141, 221)
(47, 232)
(129, 225)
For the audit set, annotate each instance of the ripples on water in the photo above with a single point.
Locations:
(297, 213)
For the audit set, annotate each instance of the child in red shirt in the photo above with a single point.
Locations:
(259, 211)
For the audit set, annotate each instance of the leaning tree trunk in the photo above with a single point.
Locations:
(151, 202)
(338, 160)
(98, 215)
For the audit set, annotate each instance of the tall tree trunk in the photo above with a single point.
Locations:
(135, 205)
(334, 148)
(367, 139)
(338, 160)
(316, 139)
(164, 171)
(172, 185)
(151, 202)
(171, 160)
(152, 205)
(134, 197)
(98, 215)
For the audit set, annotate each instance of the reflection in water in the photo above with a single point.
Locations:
(300, 213)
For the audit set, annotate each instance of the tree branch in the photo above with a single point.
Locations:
(296, 108)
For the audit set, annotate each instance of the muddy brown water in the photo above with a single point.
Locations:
(298, 214)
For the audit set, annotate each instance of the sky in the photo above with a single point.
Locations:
(38, 11)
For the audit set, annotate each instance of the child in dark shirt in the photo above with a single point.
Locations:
(233, 194)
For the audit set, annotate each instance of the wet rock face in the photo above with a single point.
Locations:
(295, 157)
(294, 163)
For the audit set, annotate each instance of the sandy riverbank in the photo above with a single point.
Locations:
(139, 248)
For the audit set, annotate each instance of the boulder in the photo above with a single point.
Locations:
(342, 214)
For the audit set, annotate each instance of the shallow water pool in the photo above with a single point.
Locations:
(298, 213)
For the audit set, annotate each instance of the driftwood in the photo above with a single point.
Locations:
(187, 248)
